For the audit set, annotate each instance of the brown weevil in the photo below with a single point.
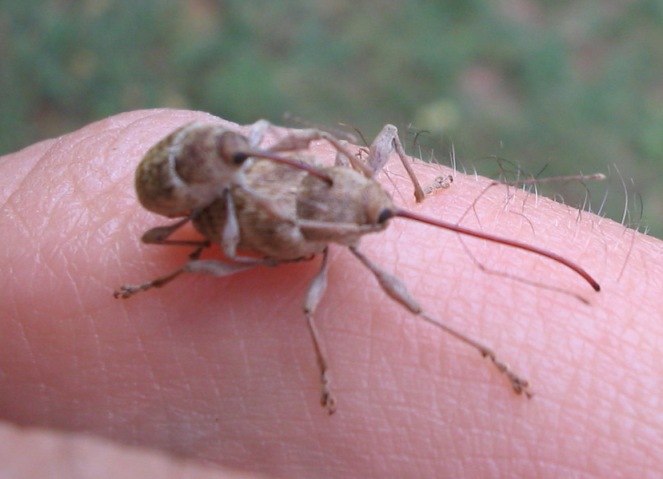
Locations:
(309, 208)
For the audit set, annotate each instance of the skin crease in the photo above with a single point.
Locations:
(223, 370)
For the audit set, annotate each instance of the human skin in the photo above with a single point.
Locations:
(223, 370)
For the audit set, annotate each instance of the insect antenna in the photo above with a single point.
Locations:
(310, 169)
(497, 239)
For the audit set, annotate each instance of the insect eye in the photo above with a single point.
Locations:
(384, 215)
(239, 158)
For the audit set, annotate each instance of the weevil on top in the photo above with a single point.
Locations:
(281, 204)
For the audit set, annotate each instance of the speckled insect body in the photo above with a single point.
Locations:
(192, 167)
(198, 164)
(309, 210)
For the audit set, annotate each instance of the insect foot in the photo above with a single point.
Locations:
(309, 210)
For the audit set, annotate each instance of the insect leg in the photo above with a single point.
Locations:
(230, 236)
(440, 183)
(397, 291)
(257, 132)
(211, 267)
(381, 149)
(313, 296)
(160, 235)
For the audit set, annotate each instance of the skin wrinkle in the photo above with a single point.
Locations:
(149, 368)
(207, 371)
(31, 356)
(20, 170)
(21, 227)
(183, 385)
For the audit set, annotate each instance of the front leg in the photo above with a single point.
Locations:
(381, 149)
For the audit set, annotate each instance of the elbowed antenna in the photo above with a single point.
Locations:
(496, 239)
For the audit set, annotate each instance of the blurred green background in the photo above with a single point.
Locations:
(568, 86)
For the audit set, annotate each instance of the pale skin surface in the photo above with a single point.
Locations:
(222, 369)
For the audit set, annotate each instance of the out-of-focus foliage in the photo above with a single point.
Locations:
(576, 86)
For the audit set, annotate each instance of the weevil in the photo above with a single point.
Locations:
(339, 205)
(197, 164)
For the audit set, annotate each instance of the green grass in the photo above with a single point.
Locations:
(570, 86)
